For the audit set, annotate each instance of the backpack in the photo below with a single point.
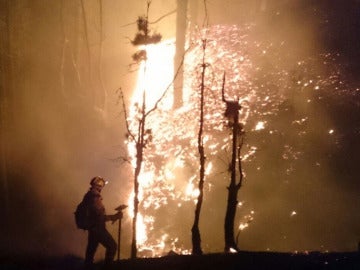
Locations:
(82, 215)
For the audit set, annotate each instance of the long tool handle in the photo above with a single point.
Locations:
(119, 235)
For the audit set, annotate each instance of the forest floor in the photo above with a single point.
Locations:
(242, 260)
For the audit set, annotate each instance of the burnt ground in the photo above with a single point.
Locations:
(242, 260)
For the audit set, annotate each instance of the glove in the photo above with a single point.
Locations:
(116, 216)
(119, 215)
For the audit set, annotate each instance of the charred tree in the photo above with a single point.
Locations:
(139, 134)
(140, 144)
(196, 237)
(232, 114)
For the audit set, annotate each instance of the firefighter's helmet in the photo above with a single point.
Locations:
(98, 181)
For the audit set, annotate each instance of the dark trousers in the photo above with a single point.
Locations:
(101, 236)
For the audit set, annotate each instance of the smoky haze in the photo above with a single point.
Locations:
(60, 125)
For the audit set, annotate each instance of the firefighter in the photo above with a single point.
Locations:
(97, 232)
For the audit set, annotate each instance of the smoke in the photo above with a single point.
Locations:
(62, 129)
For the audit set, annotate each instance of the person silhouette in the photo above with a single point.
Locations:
(97, 232)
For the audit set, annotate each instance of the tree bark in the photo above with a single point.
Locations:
(140, 144)
(233, 189)
(232, 113)
(196, 238)
(180, 51)
(5, 73)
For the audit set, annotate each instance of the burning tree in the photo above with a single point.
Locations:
(140, 136)
(173, 143)
(264, 84)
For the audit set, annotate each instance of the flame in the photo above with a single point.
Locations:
(242, 226)
(156, 74)
(245, 220)
(260, 125)
(170, 169)
(192, 192)
(174, 140)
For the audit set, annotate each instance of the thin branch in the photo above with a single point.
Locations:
(62, 63)
(147, 10)
(128, 24)
(171, 83)
(156, 21)
(223, 89)
(101, 57)
(162, 17)
(121, 160)
(238, 185)
(66, 46)
(126, 121)
(206, 18)
(86, 30)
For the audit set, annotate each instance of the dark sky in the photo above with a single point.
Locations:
(61, 125)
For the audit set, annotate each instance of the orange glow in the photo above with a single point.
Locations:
(260, 125)
(156, 74)
(169, 173)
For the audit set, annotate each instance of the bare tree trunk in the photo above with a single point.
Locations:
(139, 160)
(193, 14)
(180, 51)
(196, 238)
(232, 113)
(233, 189)
(140, 141)
(5, 85)
(103, 99)
(89, 55)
